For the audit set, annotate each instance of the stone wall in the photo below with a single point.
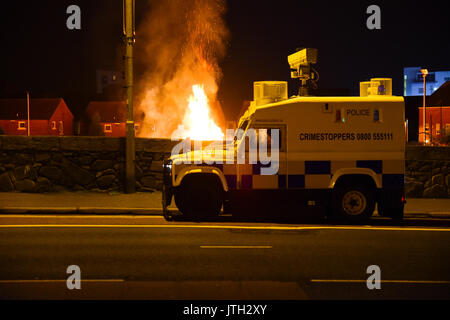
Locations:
(427, 172)
(53, 164)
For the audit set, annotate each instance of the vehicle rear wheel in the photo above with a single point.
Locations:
(354, 203)
(200, 196)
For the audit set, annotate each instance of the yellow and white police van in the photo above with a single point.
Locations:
(342, 155)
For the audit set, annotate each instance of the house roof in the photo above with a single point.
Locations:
(109, 111)
(441, 97)
(40, 109)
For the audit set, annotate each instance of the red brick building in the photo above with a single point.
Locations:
(437, 115)
(111, 115)
(48, 117)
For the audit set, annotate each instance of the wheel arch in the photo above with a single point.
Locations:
(355, 176)
(201, 171)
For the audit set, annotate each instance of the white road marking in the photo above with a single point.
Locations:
(236, 247)
(383, 281)
(59, 280)
(81, 209)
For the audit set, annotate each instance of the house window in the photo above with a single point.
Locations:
(61, 128)
(136, 127)
(429, 78)
(21, 125)
(53, 125)
(420, 90)
(108, 127)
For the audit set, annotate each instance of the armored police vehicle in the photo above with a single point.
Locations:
(340, 156)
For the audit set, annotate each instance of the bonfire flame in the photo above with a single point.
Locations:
(197, 120)
(181, 44)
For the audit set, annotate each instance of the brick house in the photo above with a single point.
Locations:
(48, 117)
(437, 115)
(111, 115)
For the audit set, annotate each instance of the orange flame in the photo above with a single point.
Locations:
(197, 121)
(181, 44)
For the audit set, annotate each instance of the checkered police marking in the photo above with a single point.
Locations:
(318, 174)
(314, 174)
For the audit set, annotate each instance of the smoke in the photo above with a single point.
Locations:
(180, 44)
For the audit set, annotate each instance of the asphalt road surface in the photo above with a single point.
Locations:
(145, 257)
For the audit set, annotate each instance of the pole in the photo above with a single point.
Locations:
(431, 128)
(424, 112)
(28, 113)
(407, 131)
(130, 183)
(440, 125)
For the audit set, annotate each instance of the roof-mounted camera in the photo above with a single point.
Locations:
(300, 63)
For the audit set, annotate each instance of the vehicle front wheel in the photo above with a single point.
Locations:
(199, 196)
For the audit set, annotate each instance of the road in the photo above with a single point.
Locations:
(145, 257)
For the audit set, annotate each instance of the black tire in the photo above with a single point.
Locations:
(200, 197)
(354, 203)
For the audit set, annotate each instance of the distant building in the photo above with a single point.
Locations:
(413, 81)
(47, 117)
(106, 78)
(110, 116)
(437, 115)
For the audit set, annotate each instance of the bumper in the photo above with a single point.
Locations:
(391, 202)
(167, 189)
(392, 197)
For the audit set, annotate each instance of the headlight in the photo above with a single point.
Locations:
(167, 166)
(167, 172)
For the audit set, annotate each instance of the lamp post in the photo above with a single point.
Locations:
(129, 32)
(424, 74)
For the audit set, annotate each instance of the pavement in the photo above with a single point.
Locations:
(82, 202)
(150, 203)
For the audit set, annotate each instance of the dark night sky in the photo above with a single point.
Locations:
(40, 54)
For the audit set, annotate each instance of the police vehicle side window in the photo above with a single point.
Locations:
(267, 136)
